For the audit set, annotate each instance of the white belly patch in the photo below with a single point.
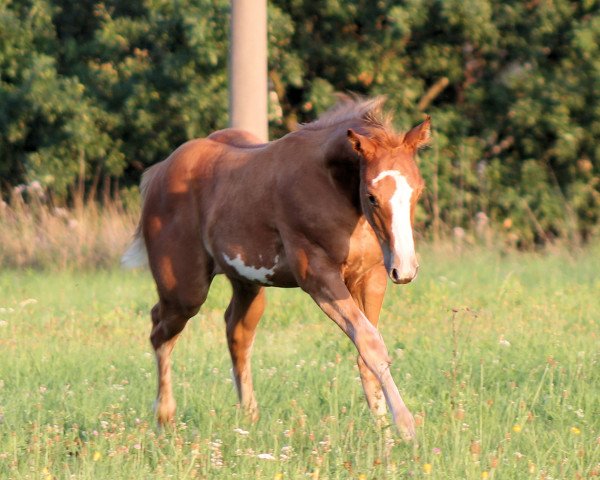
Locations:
(256, 274)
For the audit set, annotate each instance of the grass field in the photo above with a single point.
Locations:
(507, 386)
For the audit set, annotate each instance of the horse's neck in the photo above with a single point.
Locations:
(343, 164)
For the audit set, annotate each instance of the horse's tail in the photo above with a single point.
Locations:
(136, 254)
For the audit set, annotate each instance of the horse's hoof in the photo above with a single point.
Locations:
(406, 426)
(251, 413)
(165, 413)
(408, 434)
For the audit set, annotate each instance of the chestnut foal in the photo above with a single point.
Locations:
(328, 208)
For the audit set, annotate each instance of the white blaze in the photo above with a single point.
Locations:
(404, 245)
(250, 272)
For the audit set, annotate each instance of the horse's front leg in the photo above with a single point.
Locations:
(368, 292)
(331, 294)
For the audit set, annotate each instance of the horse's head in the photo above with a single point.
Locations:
(390, 185)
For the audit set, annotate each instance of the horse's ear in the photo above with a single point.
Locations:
(418, 136)
(361, 144)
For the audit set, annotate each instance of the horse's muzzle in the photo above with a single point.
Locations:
(402, 277)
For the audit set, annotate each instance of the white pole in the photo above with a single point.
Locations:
(248, 67)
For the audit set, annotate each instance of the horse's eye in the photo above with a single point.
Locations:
(372, 200)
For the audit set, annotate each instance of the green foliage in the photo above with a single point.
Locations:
(91, 89)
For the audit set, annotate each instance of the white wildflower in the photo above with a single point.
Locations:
(216, 455)
(265, 456)
(286, 453)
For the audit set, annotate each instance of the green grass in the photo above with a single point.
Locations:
(77, 378)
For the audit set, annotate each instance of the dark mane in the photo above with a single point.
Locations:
(366, 112)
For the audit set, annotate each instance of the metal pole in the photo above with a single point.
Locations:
(248, 67)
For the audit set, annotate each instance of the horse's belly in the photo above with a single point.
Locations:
(283, 278)
(266, 269)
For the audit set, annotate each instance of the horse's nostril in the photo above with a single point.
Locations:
(395, 275)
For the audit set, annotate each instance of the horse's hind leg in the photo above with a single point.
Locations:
(241, 318)
(168, 320)
(182, 286)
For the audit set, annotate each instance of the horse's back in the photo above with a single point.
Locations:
(236, 138)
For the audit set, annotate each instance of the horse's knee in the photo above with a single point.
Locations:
(375, 355)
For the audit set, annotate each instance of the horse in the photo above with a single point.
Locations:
(328, 208)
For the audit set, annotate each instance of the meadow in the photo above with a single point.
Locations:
(497, 354)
